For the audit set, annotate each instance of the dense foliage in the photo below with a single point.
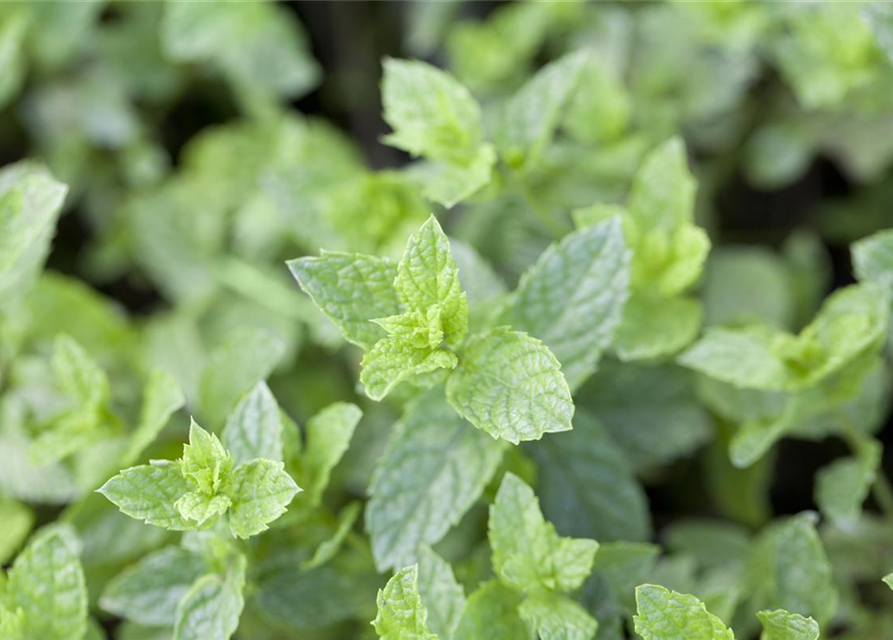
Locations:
(590, 343)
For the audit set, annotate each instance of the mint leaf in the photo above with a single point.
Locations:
(431, 113)
(401, 614)
(449, 183)
(654, 326)
(572, 298)
(433, 458)
(586, 486)
(781, 625)
(667, 615)
(527, 552)
(511, 386)
(234, 367)
(17, 521)
(162, 397)
(391, 361)
(205, 464)
(254, 428)
(148, 592)
(888, 580)
(46, 585)
(492, 612)
(211, 608)
(873, 259)
(329, 548)
(842, 486)
(328, 436)
(442, 595)
(148, 493)
(528, 120)
(350, 290)
(77, 374)
(663, 192)
(261, 490)
(556, 617)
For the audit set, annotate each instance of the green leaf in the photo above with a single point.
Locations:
(528, 120)
(441, 594)
(254, 428)
(842, 486)
(527, 552)
(202, 508)
(888, 580)
(667, 615)
(391, 361)
(431, 113)
(511, 386)
(328, 436)
(449, 183)
(211, 608)
(148, 592)
(781, 625)
(433, 458)
(205, 463)
(13, 30)
(248, 356)
(78, 375)
(401, 614)
(162, 397)
(556, 617)
(17, 519)
(46, 583)
(572, 298)
(654, 327)
(261, 490)
(492, 612)
(148, 493)
(663, 192)
(873, 259)
(351, 290)
(586, 486)
(427, 277)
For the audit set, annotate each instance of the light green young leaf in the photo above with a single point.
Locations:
(511, 386)
(393, 360)
(248, 356)
(206, 464)
(46, 583)
(888, 580)
(742, 357)
(261, 490)
(573, 297)
(211, 608)
(17, 519)
(654, 326)
(434, 458)
(148, 493)
(254, 428)
(667, 615)
(842, 486)
(77, 374)
(448, 183)
(401, 613)
(351, 290)
(328, 548)
(873, 259)
(13, 30)
(586, 486)
(441, 594)
(427, 277)
(556, 617)
(431, 113)
(328, 436)
(492, 612)
(149, 591)
(528, 120)
(202, 508)
(162, 397)
(782, 625)
(527, 552)
(663, 192)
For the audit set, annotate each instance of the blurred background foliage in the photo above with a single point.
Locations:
(205, 143)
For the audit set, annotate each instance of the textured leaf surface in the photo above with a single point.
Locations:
(148, 493)
(254, 428)
(781, 625)
(435, 467)
(441, 594)
(261, 491)
(351, 290)
(527, 552)
(47, 583)
(401, 614)
(667, 615)
(492, 612)
(511, 386)
(556, 617)
(572, 298)
(149, 591)
(211, 608)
